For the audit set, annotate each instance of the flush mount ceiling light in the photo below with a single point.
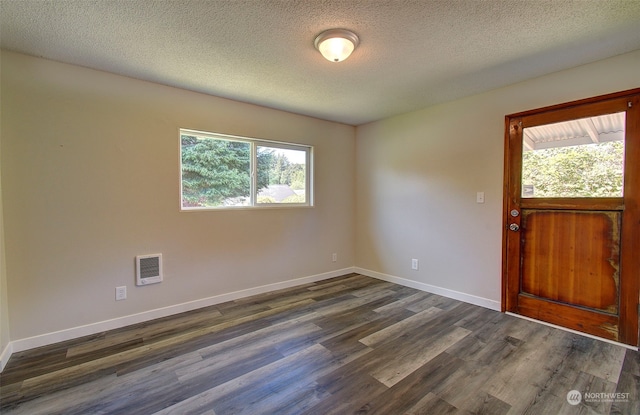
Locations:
(336, 44)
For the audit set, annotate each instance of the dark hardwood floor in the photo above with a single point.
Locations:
(348, 345)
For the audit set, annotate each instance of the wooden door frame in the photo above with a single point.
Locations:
(630, 237)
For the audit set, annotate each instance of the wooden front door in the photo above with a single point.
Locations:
(572, 215)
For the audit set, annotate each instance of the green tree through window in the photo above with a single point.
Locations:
(594, 170)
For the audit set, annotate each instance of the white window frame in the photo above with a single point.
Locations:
(254, 143)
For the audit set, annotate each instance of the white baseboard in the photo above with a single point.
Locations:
(5, 355)
(75, 332)
(445, 292)
(94, 328)
(89, 329)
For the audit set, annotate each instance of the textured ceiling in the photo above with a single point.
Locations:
(412, 53)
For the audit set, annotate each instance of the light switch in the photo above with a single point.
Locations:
(480, 197)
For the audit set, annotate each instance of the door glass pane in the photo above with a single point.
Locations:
(281, 175)
(578, 158)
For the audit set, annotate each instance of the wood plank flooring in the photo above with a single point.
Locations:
(348, 345)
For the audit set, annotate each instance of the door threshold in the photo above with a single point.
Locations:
(591, 336)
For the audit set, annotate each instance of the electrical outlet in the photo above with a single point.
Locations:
(334, 257)
(121, 293)
(414, 264)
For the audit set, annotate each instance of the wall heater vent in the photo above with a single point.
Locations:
(148, 269)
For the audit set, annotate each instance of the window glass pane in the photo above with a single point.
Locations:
(578, 158)
(281, 175)
(215, 172)
(220, 171)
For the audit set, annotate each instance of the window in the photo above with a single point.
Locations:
(221, 171)
(577, 158)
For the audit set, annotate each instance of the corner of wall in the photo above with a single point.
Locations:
(5, 344)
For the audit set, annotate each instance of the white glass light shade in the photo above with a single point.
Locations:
(336, 44)
(336, 49)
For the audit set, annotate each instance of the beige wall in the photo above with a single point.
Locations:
(90, 172)
(4, 304)
(418, 175)
(90, 179)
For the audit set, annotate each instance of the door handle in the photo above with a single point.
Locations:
(514, 227)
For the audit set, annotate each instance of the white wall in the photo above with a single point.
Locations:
(418, 175)
(90, 172)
